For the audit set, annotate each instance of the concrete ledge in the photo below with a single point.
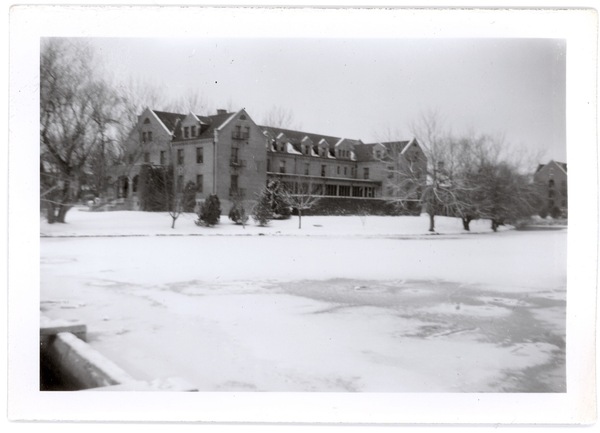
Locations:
(51, 327)
(80, 366)
(66, 357)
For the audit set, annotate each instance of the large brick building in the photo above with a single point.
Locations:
(551, 178)
(228, 154)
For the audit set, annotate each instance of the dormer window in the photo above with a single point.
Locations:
(193, 130)
(146, 121)
(186, 132)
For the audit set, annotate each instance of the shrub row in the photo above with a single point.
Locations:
(336, 206)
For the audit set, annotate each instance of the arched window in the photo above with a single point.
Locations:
(146, 121)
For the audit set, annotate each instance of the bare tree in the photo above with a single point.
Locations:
(192, 102)
(280, 117)
(500, 189)
(159, 192)
(433, 178)
(77, 118)
(301, 198)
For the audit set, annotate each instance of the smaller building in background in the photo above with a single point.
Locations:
(551, 178)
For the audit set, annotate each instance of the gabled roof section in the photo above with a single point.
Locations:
(209, 124)
(229, 118)
(561, 165)
(296, 137)
(170, 121)
(193, 117)
(364, 152)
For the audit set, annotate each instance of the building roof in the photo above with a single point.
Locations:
(207, 125)
(364, 152)
(561, 165)
(170, 120)
(295, 138)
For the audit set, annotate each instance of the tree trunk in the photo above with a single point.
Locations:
(64, 207)
(173, 223)
(494, 226)
(466, 221)
(299, 218)
(431, 222)
(62, 212)
(51, 213)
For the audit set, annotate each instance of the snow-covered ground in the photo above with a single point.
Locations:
(373, 304)
(81, 222)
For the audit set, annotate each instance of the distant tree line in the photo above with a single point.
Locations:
(470, 177)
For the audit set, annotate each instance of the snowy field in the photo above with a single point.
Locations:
(369, 304)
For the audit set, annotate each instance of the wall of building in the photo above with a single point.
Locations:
(190, 169)
(250, 165)
(553, 184)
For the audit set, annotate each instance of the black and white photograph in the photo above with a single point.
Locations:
(283, 213)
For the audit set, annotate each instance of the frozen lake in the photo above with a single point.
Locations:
(467, 313)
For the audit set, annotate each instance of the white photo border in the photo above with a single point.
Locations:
(30, 23)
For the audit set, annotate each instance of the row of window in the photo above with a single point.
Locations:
(241, 134)
(181, 156)
(307, 150)
(339, 169)
(146, 136)
(199, 183)
(330, 190)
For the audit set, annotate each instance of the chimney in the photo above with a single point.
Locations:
(221, 111)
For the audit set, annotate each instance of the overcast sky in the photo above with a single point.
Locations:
(357, 88)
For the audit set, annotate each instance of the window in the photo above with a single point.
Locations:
(338, 169)
(268, 165)
(323, 170)
(186, 132)
(235, 152)
(146, 121)
(136, 179)
(237, 133)
(246, 132)
(282, 166)
(149, 135)
(146, 157)
(306, 168)
(163, 157)
(366, 172)
(331, 190)
(199, 183)
(180, 156)
(180, 183)
(345, 171)
(344, 191)
(199, 155)
(193, 130)
(143, 137)
(234, 184)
